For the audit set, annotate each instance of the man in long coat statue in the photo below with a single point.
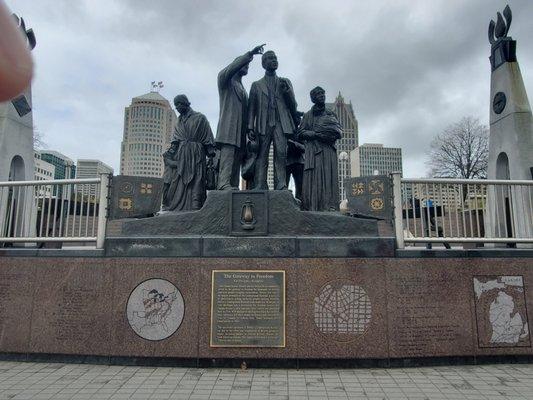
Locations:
(270, 119)
(231, 130)
(194, 140)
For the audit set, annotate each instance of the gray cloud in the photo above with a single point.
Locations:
(410, 68)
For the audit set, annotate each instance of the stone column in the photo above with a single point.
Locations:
(511, 135)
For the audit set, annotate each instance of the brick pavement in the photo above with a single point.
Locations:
(21, 380)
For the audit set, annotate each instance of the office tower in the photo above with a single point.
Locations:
(349, 140)
(64, 166)
(149, 123)
(91, 169)
(375, 159)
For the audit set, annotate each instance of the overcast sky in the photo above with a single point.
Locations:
(410, 67)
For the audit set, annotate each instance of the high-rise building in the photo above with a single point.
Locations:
(91, 169)
(148, 128)
(350, 127)
(44, 171)
(375, 159)
(64, 166)
(348, 142)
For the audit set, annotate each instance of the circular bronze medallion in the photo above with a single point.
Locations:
(377, 204)
(126, 187)
(498, 105)
(155, 309)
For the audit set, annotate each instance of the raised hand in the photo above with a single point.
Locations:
(258, 49)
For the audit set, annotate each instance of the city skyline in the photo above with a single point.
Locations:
(407, 70)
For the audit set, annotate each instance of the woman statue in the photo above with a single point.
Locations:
(319, 130)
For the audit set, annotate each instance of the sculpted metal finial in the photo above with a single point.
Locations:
(30, 35)
(500, 28)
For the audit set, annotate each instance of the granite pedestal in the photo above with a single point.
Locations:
(293, 285)
(349, 308)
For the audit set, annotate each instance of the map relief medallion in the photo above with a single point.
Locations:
(342, 310)
(501, 312)
(155, 309)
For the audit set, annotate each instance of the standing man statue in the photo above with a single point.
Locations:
(270, 119)
(194, 141)
(231, 130)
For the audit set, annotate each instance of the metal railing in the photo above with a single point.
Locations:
(65, 210)
(425, 211)
(463, 211)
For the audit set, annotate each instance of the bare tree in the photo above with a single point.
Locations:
(38, 139)
(460, 151)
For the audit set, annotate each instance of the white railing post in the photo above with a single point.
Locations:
(397, 202)
(102, 211)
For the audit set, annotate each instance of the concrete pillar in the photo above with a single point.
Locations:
(16, 161)
(511, 136)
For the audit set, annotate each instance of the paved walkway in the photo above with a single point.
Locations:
(81, 381)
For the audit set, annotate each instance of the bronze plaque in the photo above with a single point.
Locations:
(247, 308)
(135, 196)
(370, 196)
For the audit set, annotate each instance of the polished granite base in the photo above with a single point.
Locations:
(336, 308)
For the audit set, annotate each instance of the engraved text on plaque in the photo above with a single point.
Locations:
(248, 308)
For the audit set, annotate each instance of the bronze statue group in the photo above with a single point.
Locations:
(304, 147)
